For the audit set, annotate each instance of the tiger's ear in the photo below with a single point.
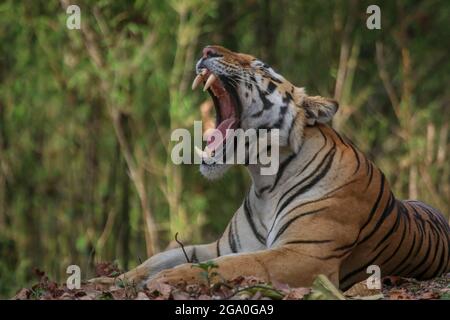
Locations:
(319, 109)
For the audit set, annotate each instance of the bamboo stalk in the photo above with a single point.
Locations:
(136, 173)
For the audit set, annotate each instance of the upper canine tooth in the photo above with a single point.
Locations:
(196, 81)
(209, 82)
(204, 71)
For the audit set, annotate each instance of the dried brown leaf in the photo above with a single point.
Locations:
(141, 296)
(160, 290)
(23, 294)
(180, 295)
(400, 294)
(297, 293)
(430, 295)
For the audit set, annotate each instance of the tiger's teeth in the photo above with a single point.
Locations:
(209, 82)
(208, 152)
(204, 71)
(197, 81)
(202, 154)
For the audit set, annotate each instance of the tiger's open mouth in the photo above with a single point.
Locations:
(227, 107)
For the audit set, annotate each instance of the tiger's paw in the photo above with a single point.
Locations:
(121, 280)
(186, 274)
(105, 281)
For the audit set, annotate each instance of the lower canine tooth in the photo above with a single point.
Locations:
(209, 152)
(202, 154)
(209, 82)
(196, 81)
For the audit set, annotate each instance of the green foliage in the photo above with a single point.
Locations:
(66, 193)
(265, 291)
(106, 296)
(446, 295)
(208, 272)
(323, 289)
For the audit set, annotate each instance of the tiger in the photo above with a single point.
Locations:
(327, 210)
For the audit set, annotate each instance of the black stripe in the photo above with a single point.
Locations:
(390, 232)
(324, 197)
(300, 205)
(250, 221)
(309, 114)
(335, 256)
(434, 214)
(279, 123)
(194, 258)
(405, 226)
(438, 246)
(440, 227)
(266, 103)
(351, 274)
(308, 241)
(218, 247)
(386, 212)
(444, 257)
(340, 187)
(435, 233)
(281, 169)
(445, 251)
(408, 255)
(357, 158)
(340, 138)
(416, 251)
(214, 55)
(288, 98)
(231, 241)
(326, 164)
(271, 87)
(370, 174)
(257, 114)
(367, 164)
(377, 202)
(261, 191)
(274, 79)
(323, 135)
(291, 125)
(427, 255)
(301, 181)
(311, 160)
(347, 246)
(288, 223)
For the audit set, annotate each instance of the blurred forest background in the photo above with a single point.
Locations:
(86, 115)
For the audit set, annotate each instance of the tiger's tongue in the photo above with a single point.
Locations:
(218, 135)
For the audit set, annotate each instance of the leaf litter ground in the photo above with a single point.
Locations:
(241, 288)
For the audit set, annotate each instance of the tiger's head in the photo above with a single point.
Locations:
(248, 94)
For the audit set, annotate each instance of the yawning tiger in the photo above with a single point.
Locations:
(327, 210)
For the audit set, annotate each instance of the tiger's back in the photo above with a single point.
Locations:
(403, 237)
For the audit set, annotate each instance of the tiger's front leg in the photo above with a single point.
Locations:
(162, 261)
(286, 264)
(296, 256)
(198, 253)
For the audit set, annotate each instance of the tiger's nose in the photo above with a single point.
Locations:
(208, 51)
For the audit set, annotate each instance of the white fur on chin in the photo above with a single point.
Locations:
(214, 171)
